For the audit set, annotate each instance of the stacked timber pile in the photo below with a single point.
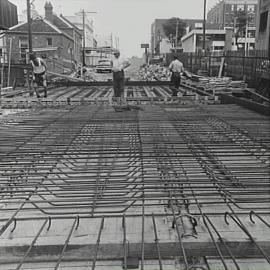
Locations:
(239, 86)
(219, 85)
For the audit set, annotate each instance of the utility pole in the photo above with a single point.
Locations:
(83, 52)
(234, 31)
(204, 24)
(30, 38)
(111, 43)
(246, 32)
(176, 33)
(29, 22)
(111, 40)
(145, 46)
(83, 12)
(246, 37)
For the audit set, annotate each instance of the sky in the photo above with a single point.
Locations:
(130, 20)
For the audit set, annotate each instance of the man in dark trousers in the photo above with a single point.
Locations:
(176, 67)
(39, 73)
(118, 66)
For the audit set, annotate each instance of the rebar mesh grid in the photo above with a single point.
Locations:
(82, 95)
(86, 184)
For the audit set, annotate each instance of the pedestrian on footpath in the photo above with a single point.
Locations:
(118, 66)
(39, 73)
(176, 67)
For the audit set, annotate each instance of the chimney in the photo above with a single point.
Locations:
(49, 11)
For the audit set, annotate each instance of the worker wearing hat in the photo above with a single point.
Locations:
(118, 66)
(39, 73)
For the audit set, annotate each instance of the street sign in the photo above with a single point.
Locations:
(145, 45)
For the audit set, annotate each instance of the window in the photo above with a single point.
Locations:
(240, 7)
(1, 56)
(232, 7)
(23, 43)
(229, 8)
(251, 8)
(251, 33)
(49, 41)
(263, 21)
(218, 48)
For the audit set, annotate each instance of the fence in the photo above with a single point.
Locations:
(250, 66)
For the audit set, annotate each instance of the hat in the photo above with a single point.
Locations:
(116, 52)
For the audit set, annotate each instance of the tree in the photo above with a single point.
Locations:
(240, 24)
(170, 29)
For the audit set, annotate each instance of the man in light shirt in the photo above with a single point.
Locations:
(39, 73)
(176, 67)
(118, 66)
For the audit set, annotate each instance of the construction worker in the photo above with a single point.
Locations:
(176, 67)
(118, 66)
(39, 73)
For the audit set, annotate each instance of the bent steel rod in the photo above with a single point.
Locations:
(33, 243)
(75, 224)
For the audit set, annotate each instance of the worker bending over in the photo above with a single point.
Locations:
(39, 73)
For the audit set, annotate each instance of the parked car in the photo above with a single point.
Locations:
(104, 65)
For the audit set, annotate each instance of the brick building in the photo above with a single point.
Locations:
(54, 38)
(77, 20)
(215, 40)
(158, 37)
(157, 34)
(224, 14)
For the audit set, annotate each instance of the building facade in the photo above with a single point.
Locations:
(263, 26)
(224, 14)
(216, 40)
(77, 20)
(160, 44)
(67, 28)
(53, 38)
(8, 18)
(157, 35)
(8, 15)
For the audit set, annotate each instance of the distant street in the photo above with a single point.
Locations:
(100, 76)
(131, 72)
